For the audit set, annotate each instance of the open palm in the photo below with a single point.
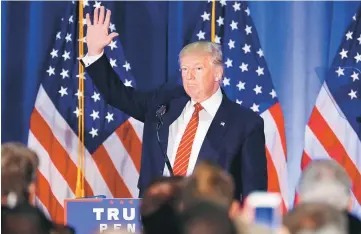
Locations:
(97, 32)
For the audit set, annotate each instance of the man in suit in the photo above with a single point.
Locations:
(200, 122)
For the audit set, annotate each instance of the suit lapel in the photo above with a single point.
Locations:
(213, 140)
(175, 109)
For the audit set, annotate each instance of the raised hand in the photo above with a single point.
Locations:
(97, 33)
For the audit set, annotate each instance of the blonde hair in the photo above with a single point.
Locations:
(211, 48)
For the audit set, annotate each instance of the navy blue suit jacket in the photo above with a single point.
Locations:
(238, 145)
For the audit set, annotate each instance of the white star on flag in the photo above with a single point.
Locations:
(248, 29)
(343, 53)
(68, 37)
(234, 25)
(113, 45)
(63, 91)
(201, 35)
(54, 53)
(96, 96)
(94, 132)
(246, 48)
(273, 93)
(112, 27)
(231, 44)
(128, 83)
(205, 16)
(109, 117)
(241, 85)
(64, 73)
(258, 89)
(95, 114)
(58, 36)
(244, 67)
(260, 71)
(349, 35)
(255, 107)
(339, 71)
(226, 81)
(217, 39)
(127, 66)
(51, 71)
(97, 4)
(220, 21)
(247, 11)
(77, 112)
(228, 63)
(358, 57)
(113, 62)
(354, 76)
(237, 6)
(78, 93)
(260, 53)
(66, 55)
(352, 94)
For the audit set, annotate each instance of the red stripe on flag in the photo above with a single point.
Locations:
(277, 115)
(131, 142)
(57, 153)
(46, 196)
(273, 183)
(335, 149)
(110, 174)
(305, 160)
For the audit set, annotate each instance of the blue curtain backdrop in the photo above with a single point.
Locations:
(299, 40)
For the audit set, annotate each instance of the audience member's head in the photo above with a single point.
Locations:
(206, 217)
(327, 182)
(18, 173)
(158, 206)
(208, 182)
(316, 218)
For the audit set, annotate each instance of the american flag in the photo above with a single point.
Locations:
(112, 139)
(333, 131)
(247, 80)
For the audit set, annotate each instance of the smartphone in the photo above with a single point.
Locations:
(265, 208)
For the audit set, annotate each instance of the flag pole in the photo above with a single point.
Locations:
(213, 22)
(80, 173)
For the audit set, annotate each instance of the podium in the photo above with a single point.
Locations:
(92, 215)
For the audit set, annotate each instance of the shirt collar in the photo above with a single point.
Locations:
(212, 104)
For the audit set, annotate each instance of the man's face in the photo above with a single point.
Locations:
(200, 77)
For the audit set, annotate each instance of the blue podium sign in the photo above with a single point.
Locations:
(97, 215)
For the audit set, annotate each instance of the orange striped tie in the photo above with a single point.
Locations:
(185, 145)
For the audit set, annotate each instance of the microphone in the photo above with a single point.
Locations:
(162, 109)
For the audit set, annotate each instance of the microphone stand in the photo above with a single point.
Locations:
(166, 159)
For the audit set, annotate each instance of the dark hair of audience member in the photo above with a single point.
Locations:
(157, 207)
(208, 182)
(204, 217)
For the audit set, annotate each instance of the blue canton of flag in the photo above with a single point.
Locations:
(61, 82)
(246, 79)
(343, 80)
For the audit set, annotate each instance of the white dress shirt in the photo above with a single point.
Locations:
(87, 60)
(177, 128)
